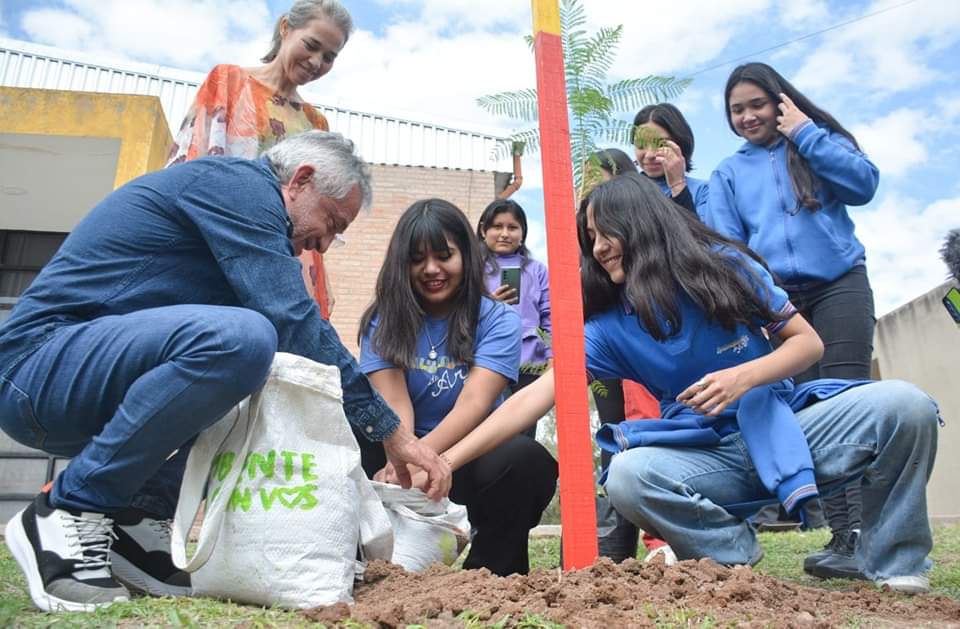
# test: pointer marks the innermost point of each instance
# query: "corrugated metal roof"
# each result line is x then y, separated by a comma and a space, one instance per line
380, 139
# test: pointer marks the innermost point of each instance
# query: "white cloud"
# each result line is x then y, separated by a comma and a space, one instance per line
889, 52
184, 33
419, 71
63, 29
675, 40
469, 14
797, 15
893, 141
902, 238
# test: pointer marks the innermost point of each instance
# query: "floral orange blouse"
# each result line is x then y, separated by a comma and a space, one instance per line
235, 114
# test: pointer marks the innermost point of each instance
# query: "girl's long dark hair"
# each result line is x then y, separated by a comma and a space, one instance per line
424, 225
805, 182
666, 251
614, 161
486, 220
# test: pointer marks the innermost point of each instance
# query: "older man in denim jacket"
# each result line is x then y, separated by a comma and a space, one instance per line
161, 311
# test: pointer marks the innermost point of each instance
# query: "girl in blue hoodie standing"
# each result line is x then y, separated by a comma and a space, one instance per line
785, 194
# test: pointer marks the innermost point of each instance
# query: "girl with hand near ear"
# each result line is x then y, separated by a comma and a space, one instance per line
785, 194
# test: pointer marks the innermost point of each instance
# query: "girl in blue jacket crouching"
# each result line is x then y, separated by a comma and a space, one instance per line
785, 194
675, 306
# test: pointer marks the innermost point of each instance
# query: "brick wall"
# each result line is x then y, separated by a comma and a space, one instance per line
353, 269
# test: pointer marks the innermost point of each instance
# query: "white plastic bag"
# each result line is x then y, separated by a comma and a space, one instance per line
286, 499
424, 531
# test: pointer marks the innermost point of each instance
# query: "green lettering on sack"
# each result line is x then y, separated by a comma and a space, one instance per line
265, 463
288, 463
267, 497
307, 465
222, 464
307, 499
240, 498
289, 497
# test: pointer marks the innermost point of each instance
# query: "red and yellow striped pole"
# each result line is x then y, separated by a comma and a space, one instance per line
574, 442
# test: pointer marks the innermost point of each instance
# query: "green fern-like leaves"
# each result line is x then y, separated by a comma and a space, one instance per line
519, 105
593, 103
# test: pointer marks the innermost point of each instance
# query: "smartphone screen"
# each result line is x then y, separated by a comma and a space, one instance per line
952, 302
510, 276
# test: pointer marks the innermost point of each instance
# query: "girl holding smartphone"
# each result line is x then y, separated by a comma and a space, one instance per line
502, 231
441, 352
785, 194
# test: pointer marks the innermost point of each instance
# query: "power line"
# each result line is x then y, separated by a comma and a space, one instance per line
801, 38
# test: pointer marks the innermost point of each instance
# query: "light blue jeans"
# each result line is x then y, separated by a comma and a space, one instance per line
884, 433
120, 393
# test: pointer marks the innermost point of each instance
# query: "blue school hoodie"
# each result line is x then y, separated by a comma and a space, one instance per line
699, 192
751, 199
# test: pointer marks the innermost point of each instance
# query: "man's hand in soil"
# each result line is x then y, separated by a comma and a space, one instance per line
402, 447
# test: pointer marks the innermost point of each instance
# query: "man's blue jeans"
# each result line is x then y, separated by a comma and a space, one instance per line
121, 393
884, 432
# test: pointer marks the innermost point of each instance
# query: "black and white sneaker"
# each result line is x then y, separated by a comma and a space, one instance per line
65, 556
141, 555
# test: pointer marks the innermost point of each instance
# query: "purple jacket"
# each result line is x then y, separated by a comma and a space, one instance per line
534, 306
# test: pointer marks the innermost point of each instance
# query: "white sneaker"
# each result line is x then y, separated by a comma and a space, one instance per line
141, 555
65, 556
908, 584
669, 557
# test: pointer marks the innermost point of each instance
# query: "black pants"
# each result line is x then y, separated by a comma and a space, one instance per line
842, 314
505, 492
523, 380
616, 536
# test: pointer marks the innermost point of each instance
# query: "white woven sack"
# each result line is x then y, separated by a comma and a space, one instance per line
286, 499
424, 531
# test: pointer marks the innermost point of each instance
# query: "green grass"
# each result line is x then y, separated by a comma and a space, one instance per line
784, 553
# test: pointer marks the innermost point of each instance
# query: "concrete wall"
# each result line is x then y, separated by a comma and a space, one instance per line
138, 122
920, 343
353, 269
61, 152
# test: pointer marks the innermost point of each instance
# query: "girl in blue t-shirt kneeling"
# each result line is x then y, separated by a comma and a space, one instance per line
441, 352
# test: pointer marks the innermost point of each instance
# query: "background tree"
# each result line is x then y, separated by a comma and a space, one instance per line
592, 102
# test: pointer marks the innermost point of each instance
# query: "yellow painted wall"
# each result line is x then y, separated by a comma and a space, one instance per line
138, 122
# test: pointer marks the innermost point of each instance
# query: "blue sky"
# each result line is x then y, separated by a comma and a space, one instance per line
893, 79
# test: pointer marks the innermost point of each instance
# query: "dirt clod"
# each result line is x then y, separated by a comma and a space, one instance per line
631, 594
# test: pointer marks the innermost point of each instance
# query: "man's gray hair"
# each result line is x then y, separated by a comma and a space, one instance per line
337, 168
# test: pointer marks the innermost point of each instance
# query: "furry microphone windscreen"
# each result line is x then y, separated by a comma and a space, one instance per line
950, 252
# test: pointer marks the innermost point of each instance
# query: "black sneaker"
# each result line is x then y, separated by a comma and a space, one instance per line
65, 556
811, 560
841, 564
141, 555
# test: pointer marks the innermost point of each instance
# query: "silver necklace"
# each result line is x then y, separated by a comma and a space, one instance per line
432, 354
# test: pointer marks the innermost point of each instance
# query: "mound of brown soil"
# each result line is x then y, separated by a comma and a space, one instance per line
631, 594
